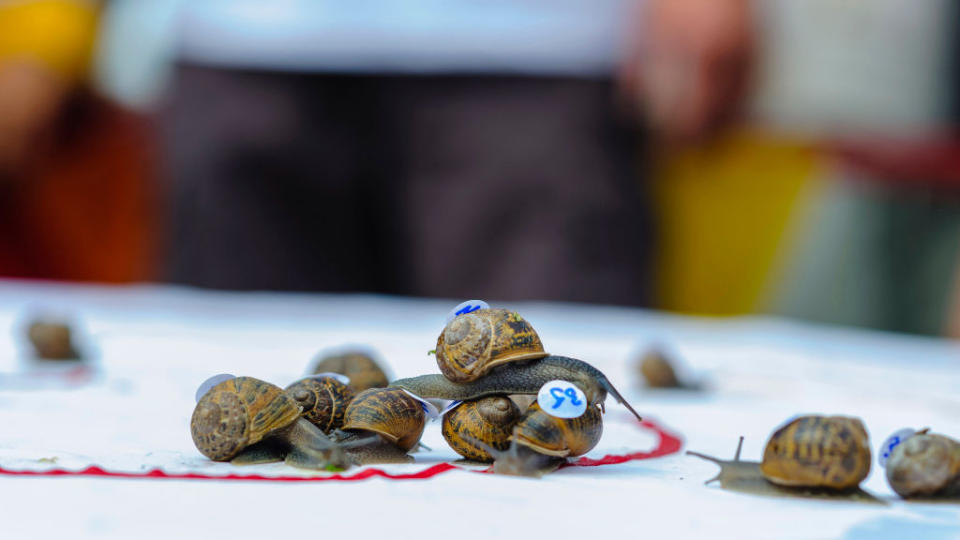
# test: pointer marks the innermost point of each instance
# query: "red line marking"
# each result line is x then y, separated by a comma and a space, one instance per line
669, 444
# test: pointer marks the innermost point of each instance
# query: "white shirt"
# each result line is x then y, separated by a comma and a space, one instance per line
573, 37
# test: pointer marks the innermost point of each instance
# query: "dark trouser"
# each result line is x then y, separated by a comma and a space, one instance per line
501, 187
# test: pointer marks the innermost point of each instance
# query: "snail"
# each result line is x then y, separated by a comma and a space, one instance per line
816, 451
811, 456
246, 420
362, 370
52, 340
925, 465
396, 418
515, 378
323, 399
474, 343
540, 443
657, 370
488, 419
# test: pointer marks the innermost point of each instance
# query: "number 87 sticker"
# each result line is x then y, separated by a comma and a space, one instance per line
562, 399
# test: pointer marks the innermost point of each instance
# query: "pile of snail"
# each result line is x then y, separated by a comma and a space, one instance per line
829, 456
489, 359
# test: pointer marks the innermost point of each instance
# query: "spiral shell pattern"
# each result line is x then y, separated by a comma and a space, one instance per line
390, 412
489, 420
324, 401
474, 343
561, 437
237, 413
818, 451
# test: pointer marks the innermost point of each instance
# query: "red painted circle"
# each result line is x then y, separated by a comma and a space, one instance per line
669, 444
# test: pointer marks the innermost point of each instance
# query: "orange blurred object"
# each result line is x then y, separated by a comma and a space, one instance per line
84, 207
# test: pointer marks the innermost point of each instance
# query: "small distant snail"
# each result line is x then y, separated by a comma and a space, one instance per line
52, 340
517, 378
925, 465
811, 456
395, 417
657, 371
246, 420
474, 343
323, 399
540, 443
362, 370
489, 419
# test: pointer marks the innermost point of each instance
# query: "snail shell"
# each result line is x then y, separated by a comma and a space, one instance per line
657, 370
324, 401
389, 412
489, 420
818, 451
52, 340
238, 413
363, 371
925, 465
560, 437
474, 343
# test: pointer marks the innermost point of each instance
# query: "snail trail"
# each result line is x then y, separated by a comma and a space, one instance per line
670, 443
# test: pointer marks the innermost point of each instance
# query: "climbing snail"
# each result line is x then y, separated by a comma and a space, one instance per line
248, 421
517, 378
394, 417
489, 420
323, 400
811, 456
925, 465
362, 370
474, 343
817, 451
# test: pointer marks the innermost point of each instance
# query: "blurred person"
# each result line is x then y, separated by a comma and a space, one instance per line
457, 149
75, 197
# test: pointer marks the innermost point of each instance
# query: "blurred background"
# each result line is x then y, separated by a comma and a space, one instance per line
718, 157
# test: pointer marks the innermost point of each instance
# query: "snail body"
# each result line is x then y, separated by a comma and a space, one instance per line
818, 451
517, 378
242, 412
324, 401
925, 465
362, 370
396, 420
474, 343
489, 420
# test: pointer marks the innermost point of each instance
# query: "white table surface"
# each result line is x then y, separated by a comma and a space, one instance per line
153, 345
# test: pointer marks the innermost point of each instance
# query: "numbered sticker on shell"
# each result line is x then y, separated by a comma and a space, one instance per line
453, 405
428, 408
466, 307
892, 442
206, 385
562, 399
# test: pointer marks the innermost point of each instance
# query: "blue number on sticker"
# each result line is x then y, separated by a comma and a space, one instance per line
893, 444
559, 398
558, 394
467, 309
